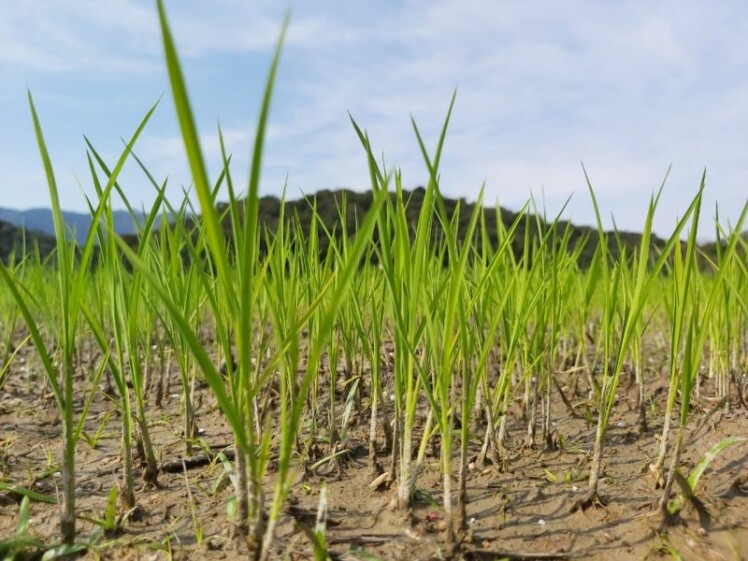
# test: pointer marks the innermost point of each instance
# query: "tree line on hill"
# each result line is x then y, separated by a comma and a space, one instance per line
327, 204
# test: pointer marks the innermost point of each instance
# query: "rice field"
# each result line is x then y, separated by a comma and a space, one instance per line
420, 390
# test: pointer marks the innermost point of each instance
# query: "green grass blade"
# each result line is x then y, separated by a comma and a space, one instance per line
698, 470
213, 230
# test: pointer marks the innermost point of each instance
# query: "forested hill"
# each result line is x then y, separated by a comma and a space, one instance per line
13, 240
329, 202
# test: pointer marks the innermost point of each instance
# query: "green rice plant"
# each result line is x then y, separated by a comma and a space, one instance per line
588, 287
347, 339
479, 318
93, 439
182, 282
197, 525
314, 268
628, 267
110, 523
616, 349
24, 492
554, 263
13, 351
291, 263
21, 542
726, 333
682, 326
563, 271
487, 305
9, 323
185, 288
72, 271
296, 388
119, 311
234, 300
405, 263
693, 312
100, 320
446, 328
39, 278
500, 286
11, 315
688, 484
521, 344
367, 307
668, 548
333, 356
317, 536
350, 340
131, 332
739, 287
533, 331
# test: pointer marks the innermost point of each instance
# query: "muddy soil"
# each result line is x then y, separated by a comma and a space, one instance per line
520, 513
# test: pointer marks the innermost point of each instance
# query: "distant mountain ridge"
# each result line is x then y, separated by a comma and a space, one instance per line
40, 220
35, 226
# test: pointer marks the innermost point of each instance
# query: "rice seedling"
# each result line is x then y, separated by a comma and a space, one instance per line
119, 317
614, 353
10, 315
690, 328
234, 307
72, 271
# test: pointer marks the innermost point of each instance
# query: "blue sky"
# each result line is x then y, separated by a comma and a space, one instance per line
625, 87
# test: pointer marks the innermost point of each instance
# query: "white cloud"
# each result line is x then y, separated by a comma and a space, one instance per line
68, 35
122, 35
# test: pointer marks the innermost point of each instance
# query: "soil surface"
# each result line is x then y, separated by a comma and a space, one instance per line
520, 513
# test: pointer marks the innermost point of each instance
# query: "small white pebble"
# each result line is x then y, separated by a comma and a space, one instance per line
472, 521
392, 397
574, 488
620, 424
201, 431
691, 543
471, 466
541, 522
57, 475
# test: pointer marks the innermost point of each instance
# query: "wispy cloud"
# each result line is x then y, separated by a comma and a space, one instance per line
76, 35
123, 36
